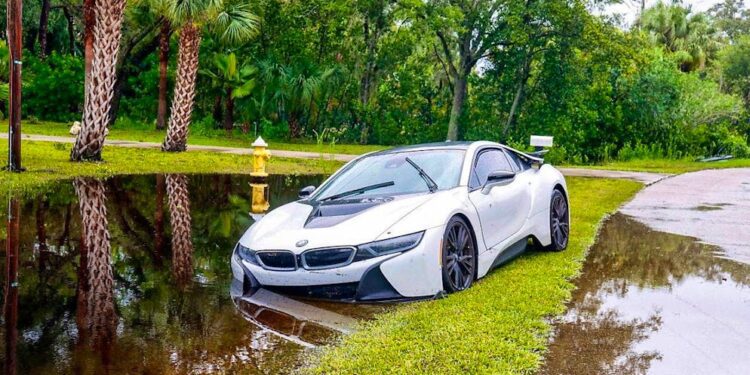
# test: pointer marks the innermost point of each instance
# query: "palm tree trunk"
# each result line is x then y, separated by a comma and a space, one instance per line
99, 91
217, 113
99, 317
161, 117
179, 215
71, 31
89, 21
43, 25
184, 90
229, 112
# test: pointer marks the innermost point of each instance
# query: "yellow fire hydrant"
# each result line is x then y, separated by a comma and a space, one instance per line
260, 156
259, 204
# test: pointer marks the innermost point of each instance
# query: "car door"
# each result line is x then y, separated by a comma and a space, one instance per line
503, 208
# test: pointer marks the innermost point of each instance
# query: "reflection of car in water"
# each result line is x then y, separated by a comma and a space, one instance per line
295, 321
409, 222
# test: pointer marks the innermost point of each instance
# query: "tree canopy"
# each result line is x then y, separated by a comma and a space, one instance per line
675, 84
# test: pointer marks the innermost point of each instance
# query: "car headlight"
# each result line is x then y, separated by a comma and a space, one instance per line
389, 246
247, 254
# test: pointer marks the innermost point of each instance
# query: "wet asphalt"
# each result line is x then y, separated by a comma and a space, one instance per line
666, 287
712, 205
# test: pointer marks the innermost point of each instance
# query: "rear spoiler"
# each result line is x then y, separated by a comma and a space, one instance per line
540, 143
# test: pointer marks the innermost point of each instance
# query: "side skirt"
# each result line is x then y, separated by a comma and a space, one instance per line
510, 253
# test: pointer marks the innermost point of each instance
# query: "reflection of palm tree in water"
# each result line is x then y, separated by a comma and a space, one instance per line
179, 215
96, 317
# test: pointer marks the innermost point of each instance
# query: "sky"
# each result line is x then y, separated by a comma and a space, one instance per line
629, 8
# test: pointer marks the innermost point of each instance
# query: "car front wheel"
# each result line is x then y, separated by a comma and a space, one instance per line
459, 256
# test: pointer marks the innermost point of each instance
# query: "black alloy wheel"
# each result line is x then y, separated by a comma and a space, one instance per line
459, 256
559, 221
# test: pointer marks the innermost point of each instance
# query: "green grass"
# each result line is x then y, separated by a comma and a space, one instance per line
666, 165
220, 138
499, 325
46, 162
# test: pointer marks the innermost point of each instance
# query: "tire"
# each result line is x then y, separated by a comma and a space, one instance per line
559, 221
459, 256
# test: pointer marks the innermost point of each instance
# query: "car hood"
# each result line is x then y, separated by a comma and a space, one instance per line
340, 224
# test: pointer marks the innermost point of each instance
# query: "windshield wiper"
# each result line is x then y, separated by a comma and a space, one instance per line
357, 191
427, 179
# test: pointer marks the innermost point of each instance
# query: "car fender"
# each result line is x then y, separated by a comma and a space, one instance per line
436, 212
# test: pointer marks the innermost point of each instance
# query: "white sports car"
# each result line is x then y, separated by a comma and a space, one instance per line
410, 222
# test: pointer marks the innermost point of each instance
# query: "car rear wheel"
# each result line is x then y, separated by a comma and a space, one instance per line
459, 256
559, 218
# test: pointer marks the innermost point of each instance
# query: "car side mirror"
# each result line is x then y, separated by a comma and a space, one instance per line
306, 191
498, 178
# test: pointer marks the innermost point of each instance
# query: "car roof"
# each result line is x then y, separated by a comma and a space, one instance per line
462, 145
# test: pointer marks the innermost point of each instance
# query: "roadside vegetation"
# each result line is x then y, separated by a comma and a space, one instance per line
674, 84
47, 162
499, 325
146, 133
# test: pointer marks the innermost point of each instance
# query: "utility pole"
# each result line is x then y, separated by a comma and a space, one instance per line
14, 94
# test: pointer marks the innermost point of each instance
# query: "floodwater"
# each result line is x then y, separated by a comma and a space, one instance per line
131, 275
653, 302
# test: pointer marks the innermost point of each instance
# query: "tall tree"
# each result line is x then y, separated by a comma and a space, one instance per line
376, 21
691, 37
164, 35
467, 31
232, 23
161, 8
43, 26
99, 88
236, 80
732, 17
735, 65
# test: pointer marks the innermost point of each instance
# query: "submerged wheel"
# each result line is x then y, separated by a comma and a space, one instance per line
459, 256
559, 219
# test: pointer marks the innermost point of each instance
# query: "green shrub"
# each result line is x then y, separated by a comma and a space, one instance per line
53, 87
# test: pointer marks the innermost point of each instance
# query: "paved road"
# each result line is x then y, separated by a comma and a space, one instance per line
712, 205
646, 178
219, 149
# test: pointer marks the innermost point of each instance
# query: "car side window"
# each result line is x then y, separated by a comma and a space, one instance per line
519, 164
488, 161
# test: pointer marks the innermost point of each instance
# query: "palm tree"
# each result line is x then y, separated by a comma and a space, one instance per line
179, 216
235, 81
691, 38
99, 88
295, 88
161, 7
234, 23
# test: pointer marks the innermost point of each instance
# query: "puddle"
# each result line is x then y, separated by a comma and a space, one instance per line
653, 302
141, 282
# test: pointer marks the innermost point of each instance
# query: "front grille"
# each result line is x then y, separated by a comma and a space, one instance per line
277, 260
327, 258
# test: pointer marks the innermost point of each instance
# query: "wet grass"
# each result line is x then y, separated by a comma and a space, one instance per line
47, 161
667, 165
500, 325
219, 138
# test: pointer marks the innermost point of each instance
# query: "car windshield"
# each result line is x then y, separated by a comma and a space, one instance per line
393, 174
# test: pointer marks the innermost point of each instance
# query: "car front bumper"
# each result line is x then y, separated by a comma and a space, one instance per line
412, 274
